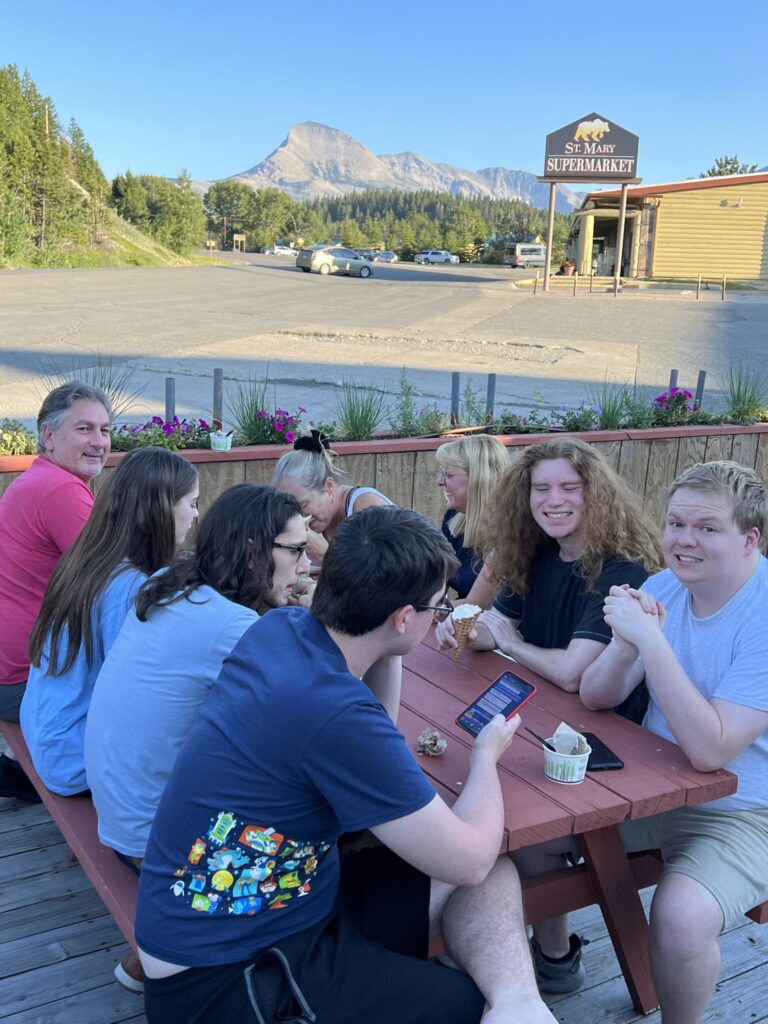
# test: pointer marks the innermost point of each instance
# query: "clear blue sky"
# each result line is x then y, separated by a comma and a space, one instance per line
215, 87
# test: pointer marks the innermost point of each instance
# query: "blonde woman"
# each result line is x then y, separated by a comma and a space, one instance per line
310, 473
470, 471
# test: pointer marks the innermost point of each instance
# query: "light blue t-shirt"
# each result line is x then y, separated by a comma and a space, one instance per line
725, 655
54, 708
146, 698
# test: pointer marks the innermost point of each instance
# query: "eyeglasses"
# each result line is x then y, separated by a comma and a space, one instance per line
297, 549
440, 612
446, 474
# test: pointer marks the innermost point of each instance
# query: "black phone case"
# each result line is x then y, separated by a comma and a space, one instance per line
602, 758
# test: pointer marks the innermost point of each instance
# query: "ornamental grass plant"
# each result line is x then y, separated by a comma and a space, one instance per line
254, 423
113, 376
359, 412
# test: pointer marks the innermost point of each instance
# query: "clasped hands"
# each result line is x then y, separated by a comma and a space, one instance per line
633, 615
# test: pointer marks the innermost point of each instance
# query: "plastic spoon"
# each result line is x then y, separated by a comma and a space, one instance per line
541, 739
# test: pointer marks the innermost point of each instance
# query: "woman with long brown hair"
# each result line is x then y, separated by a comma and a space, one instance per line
141, 516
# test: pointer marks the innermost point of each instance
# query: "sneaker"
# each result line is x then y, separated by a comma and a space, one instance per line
559, 976
130, 973
14, 783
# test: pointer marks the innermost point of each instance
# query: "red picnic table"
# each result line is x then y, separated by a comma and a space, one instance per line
657, 776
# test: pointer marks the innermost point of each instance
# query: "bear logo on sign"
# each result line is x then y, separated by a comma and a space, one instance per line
594, 130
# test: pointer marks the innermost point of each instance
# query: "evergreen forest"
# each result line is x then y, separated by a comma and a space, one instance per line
57, 208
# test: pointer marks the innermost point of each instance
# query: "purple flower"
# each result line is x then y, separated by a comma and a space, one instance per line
156, 419
203, 425
290, 437
278, 425
168, 429
301, 409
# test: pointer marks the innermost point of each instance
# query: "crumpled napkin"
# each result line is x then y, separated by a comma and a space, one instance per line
431, 743
566, 740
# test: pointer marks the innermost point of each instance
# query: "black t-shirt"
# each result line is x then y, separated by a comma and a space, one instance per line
560, 605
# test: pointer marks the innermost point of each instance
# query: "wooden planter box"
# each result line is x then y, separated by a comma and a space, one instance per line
406, 471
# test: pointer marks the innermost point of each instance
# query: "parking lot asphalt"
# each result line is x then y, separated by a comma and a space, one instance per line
311, 334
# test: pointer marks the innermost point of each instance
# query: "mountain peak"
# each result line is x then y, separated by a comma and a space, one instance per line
315, 160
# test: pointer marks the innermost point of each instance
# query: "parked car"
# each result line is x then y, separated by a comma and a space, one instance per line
334, 259
281, 250
428, 256
365, 254
382, 256
525, 254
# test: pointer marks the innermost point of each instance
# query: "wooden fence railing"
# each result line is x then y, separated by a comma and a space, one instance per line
406, 470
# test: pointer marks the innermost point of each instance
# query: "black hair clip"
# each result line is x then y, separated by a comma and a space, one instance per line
315, 441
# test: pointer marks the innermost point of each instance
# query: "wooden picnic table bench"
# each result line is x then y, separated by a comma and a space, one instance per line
76, 818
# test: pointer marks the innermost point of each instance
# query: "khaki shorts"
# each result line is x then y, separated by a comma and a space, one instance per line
725, 851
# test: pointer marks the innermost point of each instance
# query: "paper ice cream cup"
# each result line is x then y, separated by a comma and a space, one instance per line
220, 442
567, 769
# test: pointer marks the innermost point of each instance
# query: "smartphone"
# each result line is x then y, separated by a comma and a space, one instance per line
602, 758
505, 696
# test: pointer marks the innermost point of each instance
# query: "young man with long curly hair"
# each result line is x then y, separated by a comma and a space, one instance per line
563, 529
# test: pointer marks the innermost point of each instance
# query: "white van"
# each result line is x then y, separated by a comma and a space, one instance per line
525, 254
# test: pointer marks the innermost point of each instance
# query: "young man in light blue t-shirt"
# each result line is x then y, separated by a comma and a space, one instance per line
696, 632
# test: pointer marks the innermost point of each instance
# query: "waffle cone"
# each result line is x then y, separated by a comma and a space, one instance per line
461, 630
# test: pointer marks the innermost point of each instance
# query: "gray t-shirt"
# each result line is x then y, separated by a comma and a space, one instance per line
155, 677
725, 655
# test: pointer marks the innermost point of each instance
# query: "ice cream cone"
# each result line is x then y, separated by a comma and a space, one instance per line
464, 619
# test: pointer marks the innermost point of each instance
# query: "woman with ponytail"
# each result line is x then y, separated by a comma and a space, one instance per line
310, 473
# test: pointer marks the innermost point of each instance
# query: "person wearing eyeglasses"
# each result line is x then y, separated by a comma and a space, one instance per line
470, 471
247, 909
249, 558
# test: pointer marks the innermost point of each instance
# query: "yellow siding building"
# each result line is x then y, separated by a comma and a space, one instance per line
708, 226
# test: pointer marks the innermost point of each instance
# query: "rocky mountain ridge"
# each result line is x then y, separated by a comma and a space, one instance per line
315, 160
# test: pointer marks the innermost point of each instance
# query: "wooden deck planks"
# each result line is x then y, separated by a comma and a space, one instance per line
52, 917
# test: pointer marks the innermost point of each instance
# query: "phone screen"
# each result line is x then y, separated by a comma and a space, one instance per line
505, 697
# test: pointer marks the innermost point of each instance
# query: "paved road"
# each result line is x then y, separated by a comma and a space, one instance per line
313, 333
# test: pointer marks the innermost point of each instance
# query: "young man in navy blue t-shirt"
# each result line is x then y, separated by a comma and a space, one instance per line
246, 911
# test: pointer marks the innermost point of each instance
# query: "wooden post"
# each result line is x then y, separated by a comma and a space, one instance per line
455, 381
490, 396
620, 238
170, 399
698, 287
218, 398
591, 280
575, 282
550, 233
536, 283
700, 388
722, 293
673, 379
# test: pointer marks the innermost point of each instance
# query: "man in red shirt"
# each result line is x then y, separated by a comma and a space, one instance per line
41, 514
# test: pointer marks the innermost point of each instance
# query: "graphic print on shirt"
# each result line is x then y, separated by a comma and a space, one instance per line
239, 868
